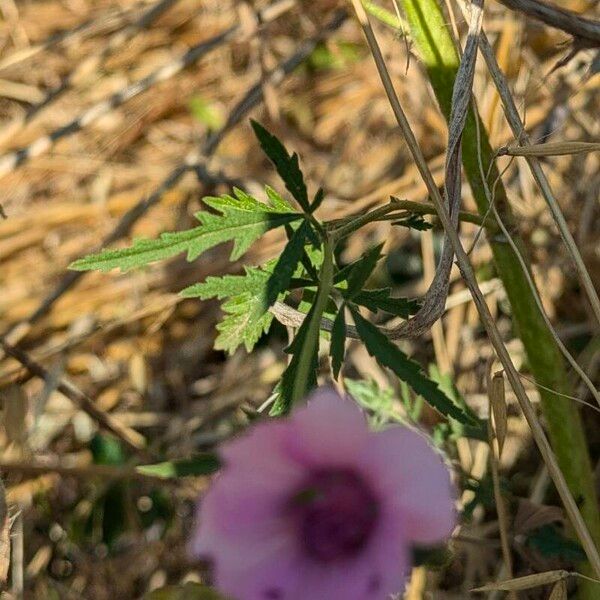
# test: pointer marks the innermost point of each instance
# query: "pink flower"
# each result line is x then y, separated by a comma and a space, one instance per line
318, 507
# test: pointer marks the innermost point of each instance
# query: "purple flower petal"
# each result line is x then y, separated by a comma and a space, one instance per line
380, 570
329, 431
415, 481
318, 507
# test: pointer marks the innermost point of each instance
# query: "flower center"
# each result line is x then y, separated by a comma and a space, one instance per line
336, 512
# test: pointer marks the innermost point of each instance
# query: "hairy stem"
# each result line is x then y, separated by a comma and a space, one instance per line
435, 45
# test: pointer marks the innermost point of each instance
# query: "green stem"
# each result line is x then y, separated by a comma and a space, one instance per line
311, 344
384, 15
435, 44
351, 224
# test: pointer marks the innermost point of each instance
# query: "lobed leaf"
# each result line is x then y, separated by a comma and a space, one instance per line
389, 355
201, 464
380, 299
414, 221
251, 295
361, 271
289, 379
287, 166
242, 219
338, 342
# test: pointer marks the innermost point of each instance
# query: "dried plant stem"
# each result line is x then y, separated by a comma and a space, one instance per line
518, 128
131, 438
88, 65
421, 15
500, 505
586, 31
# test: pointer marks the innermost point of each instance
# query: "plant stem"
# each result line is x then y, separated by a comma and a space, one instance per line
311, 344
351, 224
437, 50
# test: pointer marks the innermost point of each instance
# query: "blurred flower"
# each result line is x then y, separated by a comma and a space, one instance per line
317, 506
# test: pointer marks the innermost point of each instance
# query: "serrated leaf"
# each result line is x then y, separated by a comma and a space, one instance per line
287, 264
340, 279
245, 322
287, 166
278, 202
317, 200
253, 281
201, 464
381, 299
301, 374
389, 355
242, 219
338, 342
251, 295
458, 430
308, 297
246, 318
289, 379
416, 222
361, 271
312, 261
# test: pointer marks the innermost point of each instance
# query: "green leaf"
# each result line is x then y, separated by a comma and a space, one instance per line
458, 430
308, 297
246, 312
187, 591
416, 222
287, 264
287, 166
278, 202
242, 219
207, 113
317, 200
389, 355
338, 342
201, 464
301, 374
285, 388
361, 271
253, 281
379, 401
251, 295
551, 543
245, 322
380, 299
